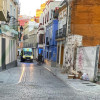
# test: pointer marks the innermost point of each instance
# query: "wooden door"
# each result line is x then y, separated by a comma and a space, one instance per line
58, 54
62, 54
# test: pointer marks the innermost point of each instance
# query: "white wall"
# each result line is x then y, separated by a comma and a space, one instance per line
51, 6
69, 52
85, 61
10, 50
0, 50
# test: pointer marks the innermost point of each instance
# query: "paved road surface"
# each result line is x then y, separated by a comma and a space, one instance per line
32, 82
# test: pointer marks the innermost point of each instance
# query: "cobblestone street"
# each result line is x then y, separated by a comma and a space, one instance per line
32, 82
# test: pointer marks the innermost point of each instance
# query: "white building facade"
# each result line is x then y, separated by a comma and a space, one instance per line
8, 36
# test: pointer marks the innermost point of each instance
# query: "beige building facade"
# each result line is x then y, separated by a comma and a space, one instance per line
8, 34
61, 33
3, 10
30, 37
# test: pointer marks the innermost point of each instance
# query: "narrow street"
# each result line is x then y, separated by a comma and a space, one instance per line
32, 82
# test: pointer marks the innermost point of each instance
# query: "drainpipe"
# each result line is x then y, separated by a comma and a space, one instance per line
67, 17
96, 64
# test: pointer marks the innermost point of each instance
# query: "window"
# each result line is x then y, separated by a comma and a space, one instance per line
10, 9
49, 55
14, 13
41, 38
48, 17
51, 15
64, 12
27, 53
46, 39
43, 20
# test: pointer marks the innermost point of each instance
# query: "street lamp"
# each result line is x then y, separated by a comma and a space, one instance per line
21, 29
8, 17
20, 33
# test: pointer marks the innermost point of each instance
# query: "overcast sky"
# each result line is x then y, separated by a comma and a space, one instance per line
28, 7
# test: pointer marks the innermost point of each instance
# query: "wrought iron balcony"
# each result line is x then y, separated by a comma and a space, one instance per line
13, 23
61, 33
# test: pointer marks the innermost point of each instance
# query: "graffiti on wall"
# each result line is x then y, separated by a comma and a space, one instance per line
69, 56
80, 58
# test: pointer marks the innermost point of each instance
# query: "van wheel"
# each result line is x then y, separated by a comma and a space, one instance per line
31, 61
21, 60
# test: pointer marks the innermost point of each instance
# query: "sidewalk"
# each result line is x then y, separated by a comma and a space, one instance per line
10, 76
80, 85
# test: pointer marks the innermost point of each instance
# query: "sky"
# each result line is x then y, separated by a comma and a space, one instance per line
28, 7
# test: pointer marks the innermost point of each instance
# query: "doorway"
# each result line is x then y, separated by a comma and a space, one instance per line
3, 53
58, 54
62, 54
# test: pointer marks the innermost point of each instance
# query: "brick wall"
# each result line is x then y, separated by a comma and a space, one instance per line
85, 20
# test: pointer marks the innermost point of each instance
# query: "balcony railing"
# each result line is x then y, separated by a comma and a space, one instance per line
13, 23
61, 33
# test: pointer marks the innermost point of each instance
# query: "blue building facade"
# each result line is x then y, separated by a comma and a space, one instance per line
40, 51
50, 42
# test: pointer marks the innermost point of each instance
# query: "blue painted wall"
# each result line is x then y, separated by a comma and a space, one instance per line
40, 51
52, 48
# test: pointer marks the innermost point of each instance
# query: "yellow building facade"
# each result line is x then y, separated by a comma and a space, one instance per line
39, 12
3, 10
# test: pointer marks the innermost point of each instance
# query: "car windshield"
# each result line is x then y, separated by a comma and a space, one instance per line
27, 53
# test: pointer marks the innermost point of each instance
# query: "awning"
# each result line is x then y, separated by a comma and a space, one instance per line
13, 32
5, 28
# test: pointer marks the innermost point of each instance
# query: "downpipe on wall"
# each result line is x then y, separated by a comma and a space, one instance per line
96, 64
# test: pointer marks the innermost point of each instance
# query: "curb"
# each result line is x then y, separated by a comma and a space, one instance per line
68, 83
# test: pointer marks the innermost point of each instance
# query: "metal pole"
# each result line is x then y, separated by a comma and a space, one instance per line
67, 17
